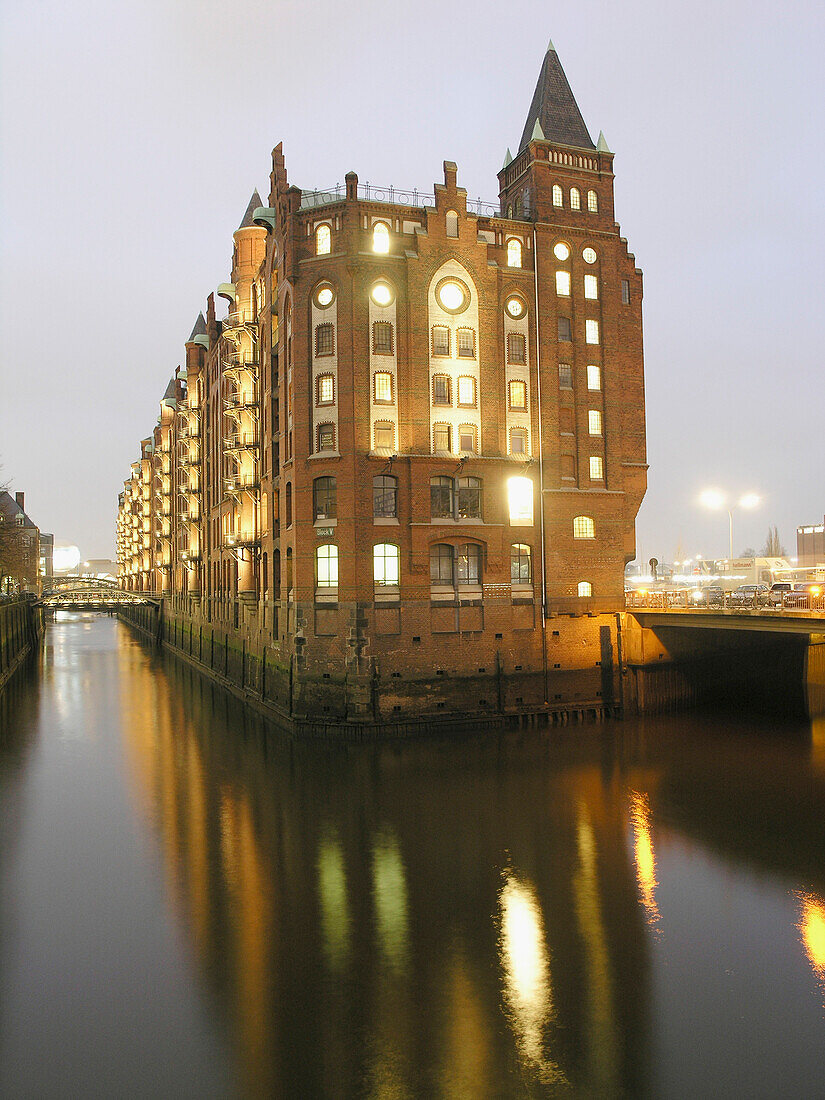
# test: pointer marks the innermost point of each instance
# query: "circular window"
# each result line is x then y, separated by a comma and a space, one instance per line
324, 295
589, 256
452, 295
382, 294
561, 251
515, 306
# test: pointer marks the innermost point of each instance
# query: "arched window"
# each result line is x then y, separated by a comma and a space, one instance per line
385, 496
513, 253
382, 388
384, 435
592, 202
380, 237
468, 564
452, 223
326, 437
326, 566
276, 574
575, 199
289, 569
441, 497
324, 498
289, 504
441, 564
521, 571
584, 588
469, 498
583, 528
557, 195
385, 560
323, 240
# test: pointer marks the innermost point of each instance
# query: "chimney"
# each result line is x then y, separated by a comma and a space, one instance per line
20, 497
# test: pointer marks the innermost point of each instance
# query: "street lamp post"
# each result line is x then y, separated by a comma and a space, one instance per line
716, 500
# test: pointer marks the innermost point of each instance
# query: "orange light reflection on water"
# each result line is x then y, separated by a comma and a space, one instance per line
644, 855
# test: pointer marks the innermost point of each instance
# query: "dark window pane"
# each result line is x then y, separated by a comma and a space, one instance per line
468, 565
441, 564
469, 498
385, 496
441, 497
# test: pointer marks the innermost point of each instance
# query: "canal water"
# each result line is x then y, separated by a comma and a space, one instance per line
193, 906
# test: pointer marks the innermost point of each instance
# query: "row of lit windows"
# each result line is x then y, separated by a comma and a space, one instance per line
565, 330
594, 376
443, 437
566, 421
592, 199
453, 296
563, 283
443, 391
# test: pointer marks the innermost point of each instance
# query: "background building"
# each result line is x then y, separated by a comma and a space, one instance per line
418, 435
19, 545
810, 544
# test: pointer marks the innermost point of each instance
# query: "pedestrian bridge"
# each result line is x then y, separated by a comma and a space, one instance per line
73, 593
764, 620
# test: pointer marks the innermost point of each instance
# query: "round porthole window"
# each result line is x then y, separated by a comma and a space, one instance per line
382, 294
561, 251
515, 306
452, 295
324, 295
589, 255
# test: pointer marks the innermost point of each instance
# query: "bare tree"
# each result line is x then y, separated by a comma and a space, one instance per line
773, 548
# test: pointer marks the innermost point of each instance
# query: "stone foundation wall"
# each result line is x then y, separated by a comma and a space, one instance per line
21, 628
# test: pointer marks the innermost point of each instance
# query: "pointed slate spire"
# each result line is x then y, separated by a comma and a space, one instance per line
554, 108
508, 158
198, 330
171, 393
254, 203
602, 145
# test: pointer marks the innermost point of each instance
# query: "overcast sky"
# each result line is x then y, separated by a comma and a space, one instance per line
133, 133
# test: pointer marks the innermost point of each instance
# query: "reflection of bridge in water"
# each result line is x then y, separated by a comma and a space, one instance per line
78, 593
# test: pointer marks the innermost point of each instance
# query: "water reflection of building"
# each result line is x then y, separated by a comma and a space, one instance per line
418, 919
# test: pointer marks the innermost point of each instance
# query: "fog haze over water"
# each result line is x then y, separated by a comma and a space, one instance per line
133, 135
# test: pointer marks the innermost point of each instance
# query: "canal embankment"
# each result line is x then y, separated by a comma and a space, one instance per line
21, 628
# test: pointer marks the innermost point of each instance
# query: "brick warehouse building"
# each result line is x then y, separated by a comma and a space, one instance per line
401, 476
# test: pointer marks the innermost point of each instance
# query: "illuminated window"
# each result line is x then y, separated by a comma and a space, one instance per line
452, 295
324, 498
326, 437
518, 441
592, 202
324, 339
565, 376
513, 253
380, 237
584, 588
326, 566
469, 498
596, 468
385, 496
575, 199
591, 286
452, 223
468, 564
382, 388
323, 240
625, 292
467, 392
324, 295
324, 389
558, 198
563, 283
384, 435
583, 528
515, 306
467, 439
382, 294
382, 338
567, 467
441, 340
594, 377
566, 420
520, 500
564, 330
441, 390
441, 497
466, 343
442, 437
589, 256
520, 564
385, 562
591, 332
518, 395
594, 422
561, 251
441, 564
516, 348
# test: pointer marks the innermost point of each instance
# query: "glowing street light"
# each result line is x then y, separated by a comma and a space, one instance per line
716, 500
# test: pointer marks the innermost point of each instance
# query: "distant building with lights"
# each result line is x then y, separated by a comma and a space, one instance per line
810, 544
19, 545
406, 465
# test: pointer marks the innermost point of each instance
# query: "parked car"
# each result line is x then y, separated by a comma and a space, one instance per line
749, 595
711, 596
803, 595
777, 590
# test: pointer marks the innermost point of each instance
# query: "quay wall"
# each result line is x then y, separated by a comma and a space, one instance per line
20, 632
365, 687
